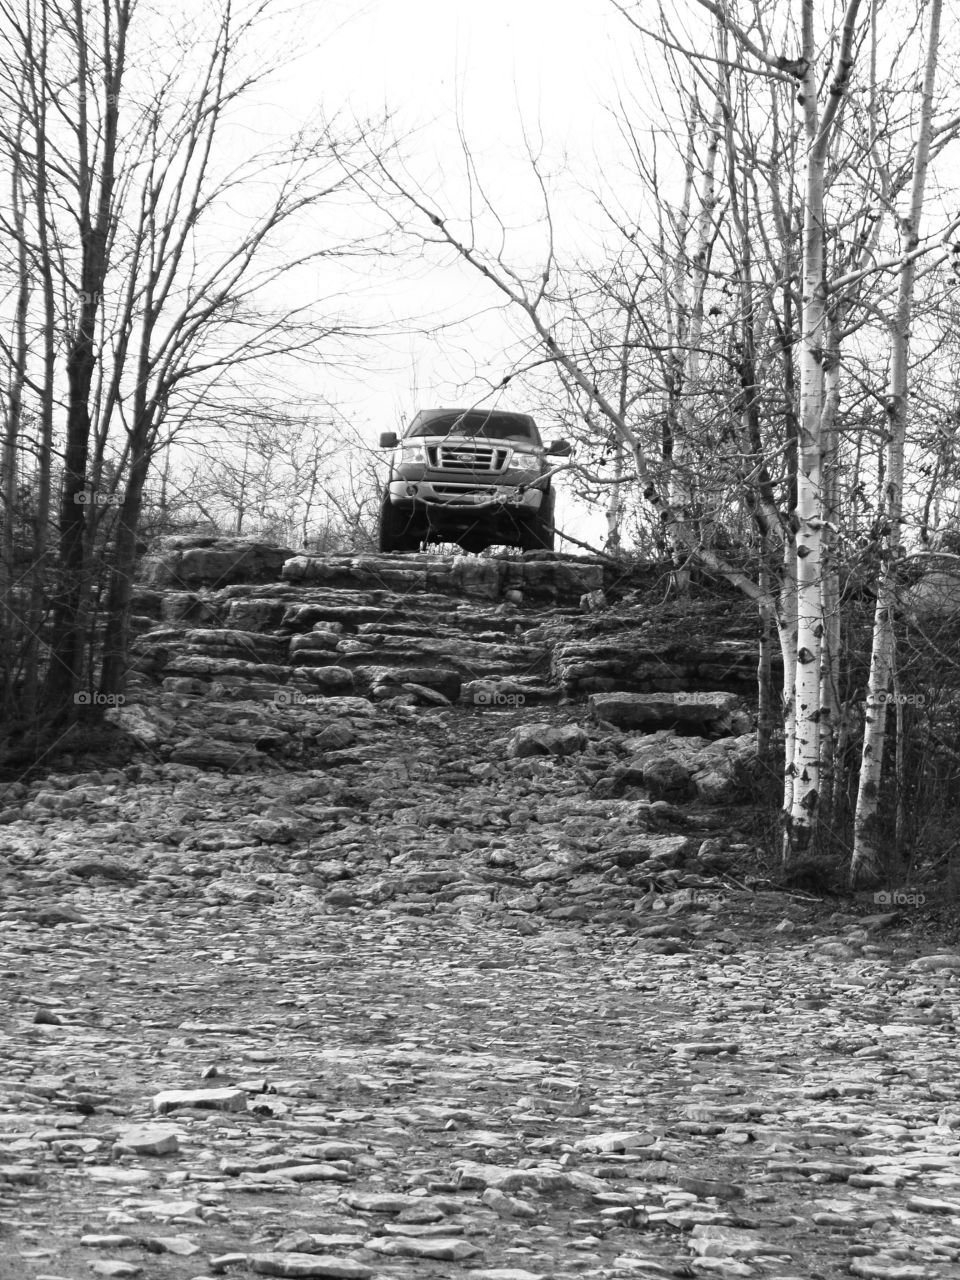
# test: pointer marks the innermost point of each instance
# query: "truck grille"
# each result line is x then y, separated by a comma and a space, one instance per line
456, 490
468, 459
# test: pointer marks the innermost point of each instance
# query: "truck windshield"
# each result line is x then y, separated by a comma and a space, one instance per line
489, 426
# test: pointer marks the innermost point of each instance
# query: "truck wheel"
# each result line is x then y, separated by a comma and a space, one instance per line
474, 543
536, 531
397, 532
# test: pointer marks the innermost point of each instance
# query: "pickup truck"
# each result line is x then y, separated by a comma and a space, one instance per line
476, 477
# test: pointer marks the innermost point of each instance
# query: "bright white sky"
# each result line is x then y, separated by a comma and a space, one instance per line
514, 75
502, 68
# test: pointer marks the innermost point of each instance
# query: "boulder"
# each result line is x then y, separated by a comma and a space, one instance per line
651, 711
336, 736
546, 740
186, 562
327, 680
148, 727
721, 771
387, 682
668, 779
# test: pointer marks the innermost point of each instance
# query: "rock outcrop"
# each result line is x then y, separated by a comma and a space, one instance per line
497, 628
292, 672
212, 562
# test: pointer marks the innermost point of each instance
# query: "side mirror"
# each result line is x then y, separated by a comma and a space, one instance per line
561, 448
388, 440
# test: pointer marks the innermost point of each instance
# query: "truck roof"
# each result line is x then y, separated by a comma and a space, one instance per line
493, 424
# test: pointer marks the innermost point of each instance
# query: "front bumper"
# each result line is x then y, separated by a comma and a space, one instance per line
450, 496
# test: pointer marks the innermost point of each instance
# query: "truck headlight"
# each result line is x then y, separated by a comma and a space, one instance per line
522, 462
410, 453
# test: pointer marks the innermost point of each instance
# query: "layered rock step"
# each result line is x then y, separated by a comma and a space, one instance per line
425, 625
214, 563
343, 642
534, 628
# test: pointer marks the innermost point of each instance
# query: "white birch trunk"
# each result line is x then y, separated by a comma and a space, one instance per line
800, 819
685, 304
803, 771
614, 512
787, 622
865, 864
830, 578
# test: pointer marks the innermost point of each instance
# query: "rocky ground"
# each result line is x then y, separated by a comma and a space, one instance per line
388, 979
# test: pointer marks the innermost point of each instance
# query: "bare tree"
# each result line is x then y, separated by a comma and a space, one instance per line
865, 863
755, 344
121, 162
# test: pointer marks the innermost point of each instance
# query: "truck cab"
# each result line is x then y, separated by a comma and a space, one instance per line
476, 477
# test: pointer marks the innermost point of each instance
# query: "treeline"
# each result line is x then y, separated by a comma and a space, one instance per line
759, 364
139, 303
762, 365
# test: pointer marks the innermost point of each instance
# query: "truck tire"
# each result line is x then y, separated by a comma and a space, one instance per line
396, 532
473, 543
536, 531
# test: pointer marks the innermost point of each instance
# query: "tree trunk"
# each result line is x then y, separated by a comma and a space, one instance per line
117, 617
800, 820
36, 615
768, 622
804, 676
830, 582
865, 865
682, 495
13, 625
94, 213
614, 511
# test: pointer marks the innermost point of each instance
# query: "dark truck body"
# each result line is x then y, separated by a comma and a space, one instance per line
476, 477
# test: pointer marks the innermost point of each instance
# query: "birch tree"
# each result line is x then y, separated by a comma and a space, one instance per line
802, 683
866, 860
816, 237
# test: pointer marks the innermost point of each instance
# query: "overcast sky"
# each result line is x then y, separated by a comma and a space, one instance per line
511, 73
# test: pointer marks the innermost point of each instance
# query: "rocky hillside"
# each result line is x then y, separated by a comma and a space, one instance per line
247, 653
420, 934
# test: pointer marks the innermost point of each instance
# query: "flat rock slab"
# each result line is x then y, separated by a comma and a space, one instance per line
149, 1140
442, 1250
204, 1099
506, 1273
308, 1264
651, 711
305, 1173
118, 1175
